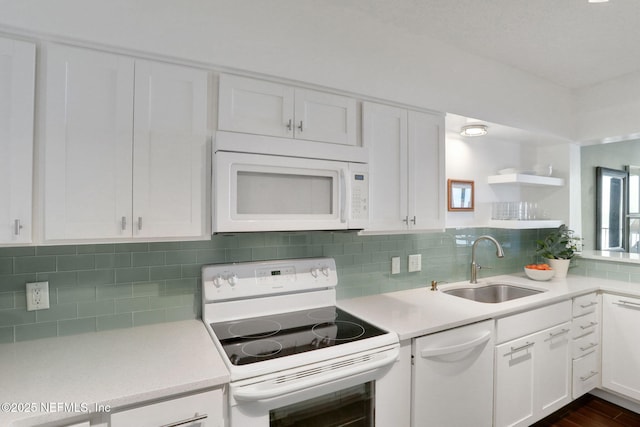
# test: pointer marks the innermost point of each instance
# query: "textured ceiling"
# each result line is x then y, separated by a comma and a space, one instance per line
569, 42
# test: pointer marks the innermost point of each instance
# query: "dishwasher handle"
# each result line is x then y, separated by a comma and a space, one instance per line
456, 348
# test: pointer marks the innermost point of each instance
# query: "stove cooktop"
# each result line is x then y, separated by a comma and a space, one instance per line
263, 338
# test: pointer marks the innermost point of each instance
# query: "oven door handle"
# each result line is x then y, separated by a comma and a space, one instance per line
270, 389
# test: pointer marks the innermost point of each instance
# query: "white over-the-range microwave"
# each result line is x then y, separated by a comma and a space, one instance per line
264, 192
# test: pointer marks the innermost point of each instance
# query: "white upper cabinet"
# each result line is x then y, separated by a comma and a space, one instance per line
88, 157
106, 177
407, 168
170, 150
17, 71
265, 108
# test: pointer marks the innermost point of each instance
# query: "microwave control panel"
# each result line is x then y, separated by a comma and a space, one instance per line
359, 195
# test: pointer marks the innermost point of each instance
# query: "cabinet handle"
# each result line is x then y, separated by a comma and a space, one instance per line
17, 227
591, 304
123, 223
591, 374
589, 347
139, 223
406, 220
414, 220
456, 348
300, 126
522, 347
187, 421
290, 125
557, 334
628, 303
590, 325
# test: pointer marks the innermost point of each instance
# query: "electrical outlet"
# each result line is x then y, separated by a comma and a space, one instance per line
37, 296
415, 262
395, 265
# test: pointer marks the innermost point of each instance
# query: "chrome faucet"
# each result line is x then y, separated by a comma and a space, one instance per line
474, 265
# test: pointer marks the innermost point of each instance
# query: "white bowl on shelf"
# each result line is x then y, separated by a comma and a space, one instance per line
540, 275
508, 171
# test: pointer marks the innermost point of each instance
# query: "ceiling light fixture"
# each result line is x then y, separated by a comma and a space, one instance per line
598, 1
473, 130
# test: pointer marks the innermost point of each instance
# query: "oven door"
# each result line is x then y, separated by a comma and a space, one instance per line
340, 392
254, 192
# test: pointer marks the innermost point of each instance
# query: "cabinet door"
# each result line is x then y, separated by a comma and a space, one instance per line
88, 144
553, 369
426, 188
196, 410
255, 106
325, 117
385, 135
170, 150
17, 69
515, 381
620, 345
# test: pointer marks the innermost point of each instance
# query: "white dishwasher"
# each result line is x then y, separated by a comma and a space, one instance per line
452, 382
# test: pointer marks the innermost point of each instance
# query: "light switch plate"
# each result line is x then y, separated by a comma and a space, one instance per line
395, 265
37, 296
415, 262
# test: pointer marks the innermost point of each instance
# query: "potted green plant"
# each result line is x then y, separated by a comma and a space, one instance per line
559, 247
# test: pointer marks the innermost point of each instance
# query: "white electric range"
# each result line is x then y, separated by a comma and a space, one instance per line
291, 352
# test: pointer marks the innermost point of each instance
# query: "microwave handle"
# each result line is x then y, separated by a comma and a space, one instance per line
343, 196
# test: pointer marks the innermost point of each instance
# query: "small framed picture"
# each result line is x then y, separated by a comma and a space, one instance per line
461, 195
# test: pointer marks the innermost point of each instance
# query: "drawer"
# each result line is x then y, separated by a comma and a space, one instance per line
584, 325
585, 304
586, 344
586, 374
518, 325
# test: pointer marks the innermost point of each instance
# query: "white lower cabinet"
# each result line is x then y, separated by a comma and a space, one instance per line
585, 333
453, 377
620, 345
533, 372
196, 410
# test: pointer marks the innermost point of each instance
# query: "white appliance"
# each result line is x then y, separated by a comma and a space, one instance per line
453, 377
261, 192
291, 353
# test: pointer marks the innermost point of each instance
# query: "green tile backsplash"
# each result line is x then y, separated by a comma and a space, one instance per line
99, 287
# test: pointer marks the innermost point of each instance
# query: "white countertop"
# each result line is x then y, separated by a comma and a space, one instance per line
115, 368
416, 312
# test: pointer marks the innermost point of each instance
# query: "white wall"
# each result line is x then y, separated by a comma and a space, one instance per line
609, 111
310, 41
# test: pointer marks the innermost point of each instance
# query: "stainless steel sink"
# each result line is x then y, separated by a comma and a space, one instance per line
493, 292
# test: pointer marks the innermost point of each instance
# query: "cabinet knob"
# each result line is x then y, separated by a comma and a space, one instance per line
300, 126
123, 223
139, 223
290, 125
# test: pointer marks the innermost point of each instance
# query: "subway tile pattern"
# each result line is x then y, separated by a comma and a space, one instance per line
108, 286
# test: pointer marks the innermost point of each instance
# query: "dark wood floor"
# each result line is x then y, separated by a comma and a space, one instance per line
590, 411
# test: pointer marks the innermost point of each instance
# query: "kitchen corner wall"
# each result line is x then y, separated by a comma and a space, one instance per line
109, 286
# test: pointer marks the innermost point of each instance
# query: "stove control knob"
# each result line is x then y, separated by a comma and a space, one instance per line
217, 281
315, 272
325, 271
233, 280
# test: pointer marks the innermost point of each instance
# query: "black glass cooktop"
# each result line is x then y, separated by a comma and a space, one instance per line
269, 337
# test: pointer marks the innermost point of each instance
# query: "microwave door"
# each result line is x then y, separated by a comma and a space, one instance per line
272, 193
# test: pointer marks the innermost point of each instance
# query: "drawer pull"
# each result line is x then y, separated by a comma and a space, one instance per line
591, 374
590, 325
589, 347
557, 334
591, 304
628, 303
188, 421
522, 347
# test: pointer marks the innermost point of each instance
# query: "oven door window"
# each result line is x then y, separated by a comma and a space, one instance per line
352, 407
